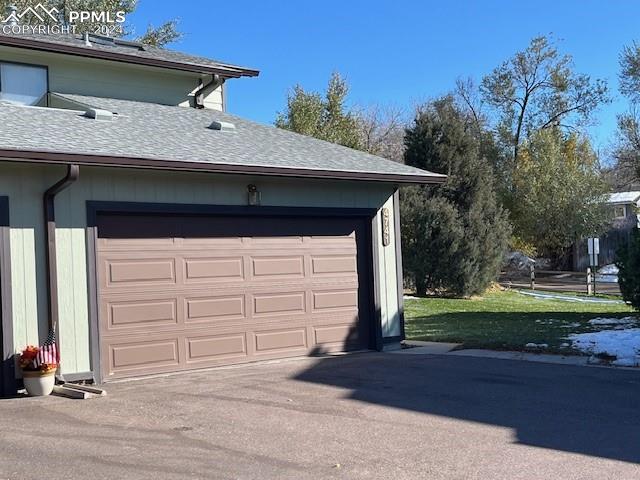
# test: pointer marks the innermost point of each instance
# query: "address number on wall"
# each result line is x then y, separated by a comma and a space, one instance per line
386, 234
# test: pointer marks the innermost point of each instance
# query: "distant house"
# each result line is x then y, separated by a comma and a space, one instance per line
625, 209
625, 216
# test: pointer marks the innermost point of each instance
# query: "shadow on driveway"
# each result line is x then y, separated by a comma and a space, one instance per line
591, 411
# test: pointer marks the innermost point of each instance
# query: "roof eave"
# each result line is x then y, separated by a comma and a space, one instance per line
34, 156
226, 71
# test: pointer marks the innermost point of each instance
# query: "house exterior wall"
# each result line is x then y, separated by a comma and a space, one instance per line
617, 236
103, 78
25, 184
630, 220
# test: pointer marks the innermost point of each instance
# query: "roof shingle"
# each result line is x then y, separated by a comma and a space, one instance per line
179, 135
124, 51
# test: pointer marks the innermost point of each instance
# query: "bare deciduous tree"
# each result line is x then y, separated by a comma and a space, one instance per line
382, 130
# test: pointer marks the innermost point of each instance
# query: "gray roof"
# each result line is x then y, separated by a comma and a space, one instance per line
124, 51
179, 137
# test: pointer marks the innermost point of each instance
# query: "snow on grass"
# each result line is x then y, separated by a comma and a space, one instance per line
571, 325
624, 345
537, 345
613, 321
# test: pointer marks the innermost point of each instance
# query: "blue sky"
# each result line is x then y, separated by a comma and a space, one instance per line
395, 53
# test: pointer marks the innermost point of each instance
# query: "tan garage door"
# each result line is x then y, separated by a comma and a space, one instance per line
180, 293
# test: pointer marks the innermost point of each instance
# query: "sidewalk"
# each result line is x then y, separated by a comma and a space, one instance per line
416, 347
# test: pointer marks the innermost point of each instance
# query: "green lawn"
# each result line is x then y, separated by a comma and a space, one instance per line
505, 320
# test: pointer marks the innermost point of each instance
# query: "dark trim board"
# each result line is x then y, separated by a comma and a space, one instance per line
4, 211
8, 384
37, 156
95, 208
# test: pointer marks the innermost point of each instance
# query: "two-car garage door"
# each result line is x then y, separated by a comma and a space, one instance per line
186, 292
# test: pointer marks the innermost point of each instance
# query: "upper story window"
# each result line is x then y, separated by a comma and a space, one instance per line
620, 211
22, 84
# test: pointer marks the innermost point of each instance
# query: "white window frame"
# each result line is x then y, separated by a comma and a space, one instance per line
615, 212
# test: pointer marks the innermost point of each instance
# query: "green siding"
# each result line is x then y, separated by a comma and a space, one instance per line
25, 184
101, 78
389, 282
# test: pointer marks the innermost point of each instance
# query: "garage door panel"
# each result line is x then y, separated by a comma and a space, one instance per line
144, 354
330, 265
168, 304
216, 347
126, 244
212, 242
290, 266
221, 289
144, 313
215, 308
336, 299
220, 269
279, 304
139, 271
336, 334
278, 242
270, 341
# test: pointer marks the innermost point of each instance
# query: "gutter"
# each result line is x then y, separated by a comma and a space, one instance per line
34, 156
73, 172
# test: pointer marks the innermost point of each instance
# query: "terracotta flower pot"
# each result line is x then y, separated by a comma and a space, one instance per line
39, 383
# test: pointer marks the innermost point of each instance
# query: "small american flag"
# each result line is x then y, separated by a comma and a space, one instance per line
48, 351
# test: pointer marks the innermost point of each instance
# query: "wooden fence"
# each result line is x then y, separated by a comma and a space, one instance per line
559, 281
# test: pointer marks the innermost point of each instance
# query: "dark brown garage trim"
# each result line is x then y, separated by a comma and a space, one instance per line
96, 208
7, 366
34, 156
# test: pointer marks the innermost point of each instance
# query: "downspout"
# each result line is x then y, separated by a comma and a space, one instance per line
198, 99
73, 171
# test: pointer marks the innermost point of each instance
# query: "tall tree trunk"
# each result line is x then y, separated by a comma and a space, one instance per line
421, 285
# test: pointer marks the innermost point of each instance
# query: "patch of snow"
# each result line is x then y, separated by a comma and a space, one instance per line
606, 278
567, 298
613, 321
610, 269
607, 274
564, 345
571, 325
518, 261
411, 297
536, 345
622, 344
624, 197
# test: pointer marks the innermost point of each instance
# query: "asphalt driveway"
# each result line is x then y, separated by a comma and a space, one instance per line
361, 416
